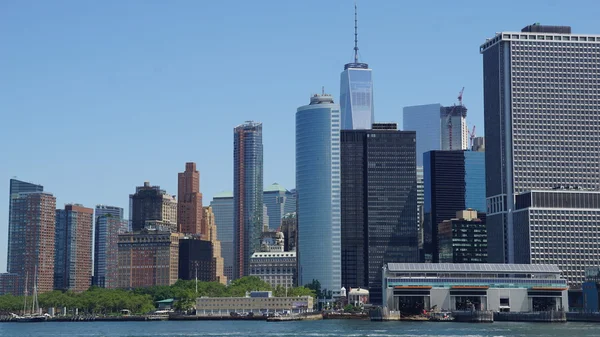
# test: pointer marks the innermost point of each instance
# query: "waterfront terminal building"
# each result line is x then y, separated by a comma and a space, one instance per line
411, 288
257, 302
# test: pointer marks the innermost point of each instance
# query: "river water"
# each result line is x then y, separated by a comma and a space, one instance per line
292, 329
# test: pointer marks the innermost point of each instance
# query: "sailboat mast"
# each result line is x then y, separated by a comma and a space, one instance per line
25, 293
34, 309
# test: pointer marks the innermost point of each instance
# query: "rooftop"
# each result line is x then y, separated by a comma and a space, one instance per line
275, 187
224, 194
474, 267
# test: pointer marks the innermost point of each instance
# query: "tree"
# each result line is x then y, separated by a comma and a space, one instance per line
239, 287
315, 286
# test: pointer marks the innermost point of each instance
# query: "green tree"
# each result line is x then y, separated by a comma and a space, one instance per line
239, 287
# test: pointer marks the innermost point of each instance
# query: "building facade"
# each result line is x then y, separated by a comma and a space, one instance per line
540, 84
453, 125
277, 199
247, 194
561, 227
73, 248
32, 226
109, 223
222, 207
224, 306
278, 268
463, 239
189, 202
379, 204
196, 260
213, 237
453, 181
152, 207
425, 120
318, 192
147, 258
289, 228
411, 287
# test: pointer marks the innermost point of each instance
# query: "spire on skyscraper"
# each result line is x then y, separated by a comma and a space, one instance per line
355, 34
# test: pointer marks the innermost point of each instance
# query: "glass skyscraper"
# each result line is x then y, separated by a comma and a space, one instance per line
541, 93
247, 194
277, 200
318, 192
222, 207
425, 120
16, 187
109, 223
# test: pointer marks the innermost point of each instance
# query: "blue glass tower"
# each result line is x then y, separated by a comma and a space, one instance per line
318, 193
356, 91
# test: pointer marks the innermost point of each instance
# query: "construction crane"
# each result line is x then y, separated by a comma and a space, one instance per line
471, 137
460, 94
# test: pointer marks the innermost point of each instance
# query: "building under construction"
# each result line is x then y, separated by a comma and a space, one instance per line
454, 131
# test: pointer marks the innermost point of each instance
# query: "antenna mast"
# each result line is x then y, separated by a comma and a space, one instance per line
355, 34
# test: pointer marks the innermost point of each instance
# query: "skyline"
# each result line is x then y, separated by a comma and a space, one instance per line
143, 75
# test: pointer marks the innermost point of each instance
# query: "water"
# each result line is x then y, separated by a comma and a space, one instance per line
293, 329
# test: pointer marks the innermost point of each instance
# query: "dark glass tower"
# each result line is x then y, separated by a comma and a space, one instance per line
379, 204
247, 194
453, 181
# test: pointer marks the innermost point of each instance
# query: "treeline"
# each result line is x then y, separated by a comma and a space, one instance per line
142, 300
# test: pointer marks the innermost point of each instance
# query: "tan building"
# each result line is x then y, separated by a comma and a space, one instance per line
147, 258
211, 227
223, 306
189, 207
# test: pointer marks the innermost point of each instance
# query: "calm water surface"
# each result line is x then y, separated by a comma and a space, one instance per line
290, 329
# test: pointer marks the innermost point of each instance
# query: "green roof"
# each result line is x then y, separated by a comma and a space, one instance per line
275, 188
224, 194
169, 300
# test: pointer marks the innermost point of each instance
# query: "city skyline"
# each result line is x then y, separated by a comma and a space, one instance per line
55, 177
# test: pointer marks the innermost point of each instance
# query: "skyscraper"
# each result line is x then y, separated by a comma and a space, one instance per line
277, 200
453, 124
109, 223
356, 91
425, 120
213, 237
247, 194
73, 248
453, 181
153, 208
222, 207
31, 246
541, 116
379, 204
189, 202
318, 192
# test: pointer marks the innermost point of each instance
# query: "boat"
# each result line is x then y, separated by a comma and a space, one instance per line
34, 315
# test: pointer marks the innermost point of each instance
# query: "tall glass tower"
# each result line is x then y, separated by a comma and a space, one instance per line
356, 91
247, 194
318, 193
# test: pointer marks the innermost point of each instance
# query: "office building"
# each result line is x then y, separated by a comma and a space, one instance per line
559, 226
453, 181
289, 228
379, 204
278, 200
247, 194
356, 92
473, 286
453, 124
425, 120
462, 239
189, 202
213, 236
196, 260
73, 248
109, 223
420, 210
318, 192
147, 258
31, 233
222, 207
255, 302
278, 268
541, 116
152, 208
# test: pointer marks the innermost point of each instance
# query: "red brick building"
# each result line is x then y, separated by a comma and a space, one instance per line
189, 202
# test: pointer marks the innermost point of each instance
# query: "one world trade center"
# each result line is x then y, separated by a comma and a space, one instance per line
356, 92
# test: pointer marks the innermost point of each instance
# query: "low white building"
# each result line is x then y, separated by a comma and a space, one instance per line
224, 306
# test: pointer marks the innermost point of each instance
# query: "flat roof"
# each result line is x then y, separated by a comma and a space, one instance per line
474, 267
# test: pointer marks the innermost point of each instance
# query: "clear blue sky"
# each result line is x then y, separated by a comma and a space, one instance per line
98, 96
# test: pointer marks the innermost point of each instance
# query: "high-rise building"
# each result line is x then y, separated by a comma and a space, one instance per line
420, 211
318, 193
147, 258
356, 91
462, 239
541, 132
109, 223
453, 181
247, 194
189, 202
222, 207
73, 248
289, 228
31, 234
453, 125
379, 204
425, 120
278, 200
212, 236
478, 144
150, 207
196, 260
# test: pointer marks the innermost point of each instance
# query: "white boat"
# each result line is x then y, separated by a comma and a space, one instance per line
33, 315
